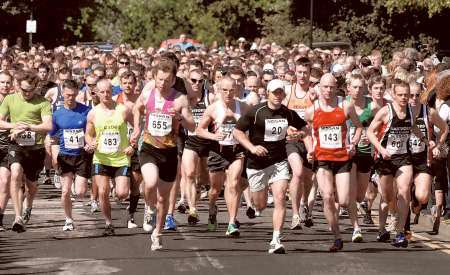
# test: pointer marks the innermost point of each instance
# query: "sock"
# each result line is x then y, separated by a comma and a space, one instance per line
276, 235
134, 199
47, 172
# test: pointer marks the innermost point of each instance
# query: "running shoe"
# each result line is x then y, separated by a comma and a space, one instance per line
109, 230
156, 242
193, 217
94, 207
408, 234
357, 236
57, 181
367, 218
309, 221
400, 240
149, 220
68, 226
212, 222
26, 215
257, 213
296, 225
435, 221
416, 218
170, 223
181, 207
303, 213
337, 245
2, 228
269, 200
18, 225
251, 213
343, 212
131, 224
383, 236
275, 247
232, 230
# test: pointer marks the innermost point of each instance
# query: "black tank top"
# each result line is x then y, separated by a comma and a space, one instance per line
397, 133
417, 146
197, 112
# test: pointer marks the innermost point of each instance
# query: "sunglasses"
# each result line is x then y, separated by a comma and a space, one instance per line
91, 85
27, 90
124, 62
415, 95
195, 81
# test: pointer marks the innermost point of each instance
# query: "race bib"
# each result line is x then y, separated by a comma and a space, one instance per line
330, 137
416, 145
159, 125
26, 138
73, 138
275, 129
129, 130
364, 140
227, 129
396, 144
109, 142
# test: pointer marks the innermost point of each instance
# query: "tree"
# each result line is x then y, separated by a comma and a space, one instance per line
432, 7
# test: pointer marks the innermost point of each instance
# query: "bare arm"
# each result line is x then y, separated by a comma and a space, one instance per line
43, 128
186, 119
351, 113
377, 121
202, 128
89, 136
440, 123
5, 125
137, 111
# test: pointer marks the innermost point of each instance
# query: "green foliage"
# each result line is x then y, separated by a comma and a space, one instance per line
431, 6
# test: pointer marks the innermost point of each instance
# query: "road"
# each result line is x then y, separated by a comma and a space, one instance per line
45, 249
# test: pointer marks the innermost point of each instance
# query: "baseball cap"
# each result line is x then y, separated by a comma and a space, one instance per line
275, 84
268, 67
241, 39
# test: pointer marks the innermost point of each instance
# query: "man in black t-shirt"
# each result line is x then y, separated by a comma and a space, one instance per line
267, 164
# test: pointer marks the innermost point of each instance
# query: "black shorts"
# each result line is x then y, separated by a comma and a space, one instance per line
439, 170
135, 165
78, 165
223, 156
197, 145
419, 162
165, 159
4, 157
110, 171
31, 160
364, 163
337, 167
299, 148
390, 167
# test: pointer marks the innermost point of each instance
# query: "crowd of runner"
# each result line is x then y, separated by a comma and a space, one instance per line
260, 123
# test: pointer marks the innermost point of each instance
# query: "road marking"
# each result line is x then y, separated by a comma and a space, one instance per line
69, 266
435, 244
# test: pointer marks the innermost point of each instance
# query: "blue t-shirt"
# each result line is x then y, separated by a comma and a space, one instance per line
69, 125
116, 90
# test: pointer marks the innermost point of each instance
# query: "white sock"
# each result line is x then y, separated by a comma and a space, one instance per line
276, 235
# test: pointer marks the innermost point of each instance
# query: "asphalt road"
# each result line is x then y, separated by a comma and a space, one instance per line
45, 249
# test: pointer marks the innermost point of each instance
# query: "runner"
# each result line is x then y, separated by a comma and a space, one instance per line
298, 100
128, 98
421, 156
362, 160
31, 119
267, 164
328, 118
394, 163
226, 157
106, 137
69, 125
196, 149
5, 89
165, 109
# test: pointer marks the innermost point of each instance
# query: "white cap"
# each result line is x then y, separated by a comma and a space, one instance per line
268, 66
241, 39
274, 85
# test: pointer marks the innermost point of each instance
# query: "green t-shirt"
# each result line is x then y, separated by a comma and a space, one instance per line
20, 110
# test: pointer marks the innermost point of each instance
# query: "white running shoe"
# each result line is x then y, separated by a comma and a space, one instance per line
156, 242
276, 247
57, 181
68, 226
131, 224
357, 236
94, 207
